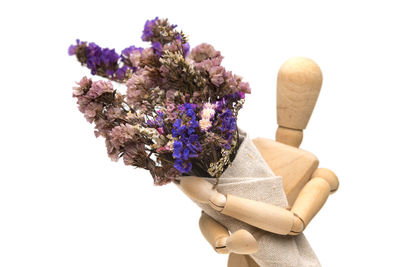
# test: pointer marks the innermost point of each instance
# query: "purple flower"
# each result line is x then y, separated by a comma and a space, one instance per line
148, 29
157, 48
185, 46
104, 61
182, 166
73, 48
186, 49
235, 96
178, 146
228, 126
121, 72
157, 122
186, 145
127, 51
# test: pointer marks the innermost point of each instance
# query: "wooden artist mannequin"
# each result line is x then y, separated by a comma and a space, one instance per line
306, 186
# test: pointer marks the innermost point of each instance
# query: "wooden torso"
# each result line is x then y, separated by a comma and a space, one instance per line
293, 164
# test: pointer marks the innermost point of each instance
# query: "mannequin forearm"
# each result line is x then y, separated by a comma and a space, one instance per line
314, 194
267, 216
278, 220
259, 214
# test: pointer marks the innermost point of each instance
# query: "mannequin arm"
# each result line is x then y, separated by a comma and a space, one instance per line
259, 214
266, 216
314, 195
240, 242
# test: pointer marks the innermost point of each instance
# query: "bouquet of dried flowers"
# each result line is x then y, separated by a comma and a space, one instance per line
178, 116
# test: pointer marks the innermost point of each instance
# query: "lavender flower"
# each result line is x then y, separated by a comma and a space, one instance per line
186, 145
160, 33
157, 48
228, 126
104, 61
149, 28
73, 49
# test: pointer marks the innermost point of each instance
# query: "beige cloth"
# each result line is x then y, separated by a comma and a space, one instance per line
250, 177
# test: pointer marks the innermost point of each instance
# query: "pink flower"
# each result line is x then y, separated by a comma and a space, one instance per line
203, 51
91, 111
170, 94
163, 149
160, 130
147, 53
217, 75
135, 58
244, 87
136, 88
100, 87
84, 86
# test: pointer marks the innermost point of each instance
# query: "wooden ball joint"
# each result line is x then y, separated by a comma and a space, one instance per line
306, 186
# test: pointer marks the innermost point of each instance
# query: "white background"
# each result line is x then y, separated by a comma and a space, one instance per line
64, 203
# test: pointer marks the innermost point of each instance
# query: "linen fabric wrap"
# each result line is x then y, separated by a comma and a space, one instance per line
250, 177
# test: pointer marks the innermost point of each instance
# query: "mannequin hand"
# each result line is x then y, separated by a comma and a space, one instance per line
202, 191
240, 242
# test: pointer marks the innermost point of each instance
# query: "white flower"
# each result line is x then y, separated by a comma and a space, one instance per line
205, 124
207, 114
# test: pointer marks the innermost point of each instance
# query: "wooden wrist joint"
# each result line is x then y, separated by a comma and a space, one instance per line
298, 225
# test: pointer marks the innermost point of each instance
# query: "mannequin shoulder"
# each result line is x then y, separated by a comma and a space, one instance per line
293, 164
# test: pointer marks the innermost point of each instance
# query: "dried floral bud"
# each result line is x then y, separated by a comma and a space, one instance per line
244, 87
83, 88
99, 88
104, 62
137, 88
202, 52
135, 58
135, 154
217, 75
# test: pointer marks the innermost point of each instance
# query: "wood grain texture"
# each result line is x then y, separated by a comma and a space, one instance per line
298, 87
329, 176
294, 165
197, 188
289, 136
311, 199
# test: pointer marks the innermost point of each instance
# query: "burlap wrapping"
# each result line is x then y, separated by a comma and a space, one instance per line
250, 177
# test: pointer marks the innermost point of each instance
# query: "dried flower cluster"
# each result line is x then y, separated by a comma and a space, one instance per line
180, 110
